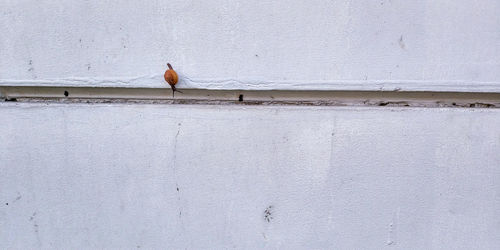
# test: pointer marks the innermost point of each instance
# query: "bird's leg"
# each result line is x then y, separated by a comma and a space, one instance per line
174, 89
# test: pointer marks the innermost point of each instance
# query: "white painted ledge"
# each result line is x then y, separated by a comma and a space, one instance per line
156, 81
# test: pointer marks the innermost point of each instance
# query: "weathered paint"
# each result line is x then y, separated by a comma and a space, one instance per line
220, 44
188, 176
157, 176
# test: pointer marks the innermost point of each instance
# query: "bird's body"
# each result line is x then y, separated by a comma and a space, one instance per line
171, 78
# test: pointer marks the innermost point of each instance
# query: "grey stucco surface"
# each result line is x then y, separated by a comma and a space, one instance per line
170, 176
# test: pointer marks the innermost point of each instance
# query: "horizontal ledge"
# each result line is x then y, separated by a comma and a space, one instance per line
251, 97
156, 81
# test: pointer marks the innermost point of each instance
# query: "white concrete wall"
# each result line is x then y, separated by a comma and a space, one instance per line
279, 44
156, 176
170, 176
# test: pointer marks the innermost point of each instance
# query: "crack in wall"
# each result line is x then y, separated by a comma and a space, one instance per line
174, 173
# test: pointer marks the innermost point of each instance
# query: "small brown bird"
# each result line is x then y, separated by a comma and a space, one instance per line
171, 78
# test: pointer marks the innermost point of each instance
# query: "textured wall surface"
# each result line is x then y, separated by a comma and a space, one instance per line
153, 176
252, 40
126, 176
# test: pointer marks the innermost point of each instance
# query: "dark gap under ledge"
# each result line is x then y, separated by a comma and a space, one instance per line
250, 97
